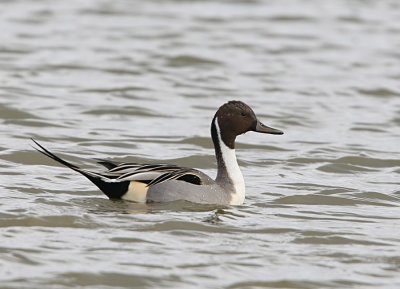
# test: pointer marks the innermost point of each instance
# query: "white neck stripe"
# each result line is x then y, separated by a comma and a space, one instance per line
234, 174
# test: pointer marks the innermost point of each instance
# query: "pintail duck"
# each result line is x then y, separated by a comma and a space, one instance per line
165, 183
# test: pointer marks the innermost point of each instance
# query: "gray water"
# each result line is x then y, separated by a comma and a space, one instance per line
141, 81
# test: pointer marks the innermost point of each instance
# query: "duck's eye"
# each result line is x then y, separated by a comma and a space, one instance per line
243, 113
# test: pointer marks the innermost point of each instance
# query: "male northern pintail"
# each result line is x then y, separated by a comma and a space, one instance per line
164, 183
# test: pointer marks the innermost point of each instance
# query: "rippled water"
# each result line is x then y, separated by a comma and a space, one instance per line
140, 81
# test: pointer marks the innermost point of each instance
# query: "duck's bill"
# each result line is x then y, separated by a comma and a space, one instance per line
260, 127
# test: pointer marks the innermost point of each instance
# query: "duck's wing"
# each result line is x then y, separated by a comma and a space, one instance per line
107, 163
156, 173
115, 181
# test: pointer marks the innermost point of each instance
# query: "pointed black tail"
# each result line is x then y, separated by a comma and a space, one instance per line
49, 154
113, 190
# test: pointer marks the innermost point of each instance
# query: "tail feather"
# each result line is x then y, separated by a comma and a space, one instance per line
49, 154
112, 189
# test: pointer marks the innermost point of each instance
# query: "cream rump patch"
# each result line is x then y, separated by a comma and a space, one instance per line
137, 192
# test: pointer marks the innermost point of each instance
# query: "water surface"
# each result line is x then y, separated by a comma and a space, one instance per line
141, 81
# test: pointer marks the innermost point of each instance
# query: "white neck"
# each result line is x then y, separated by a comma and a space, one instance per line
232, 169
